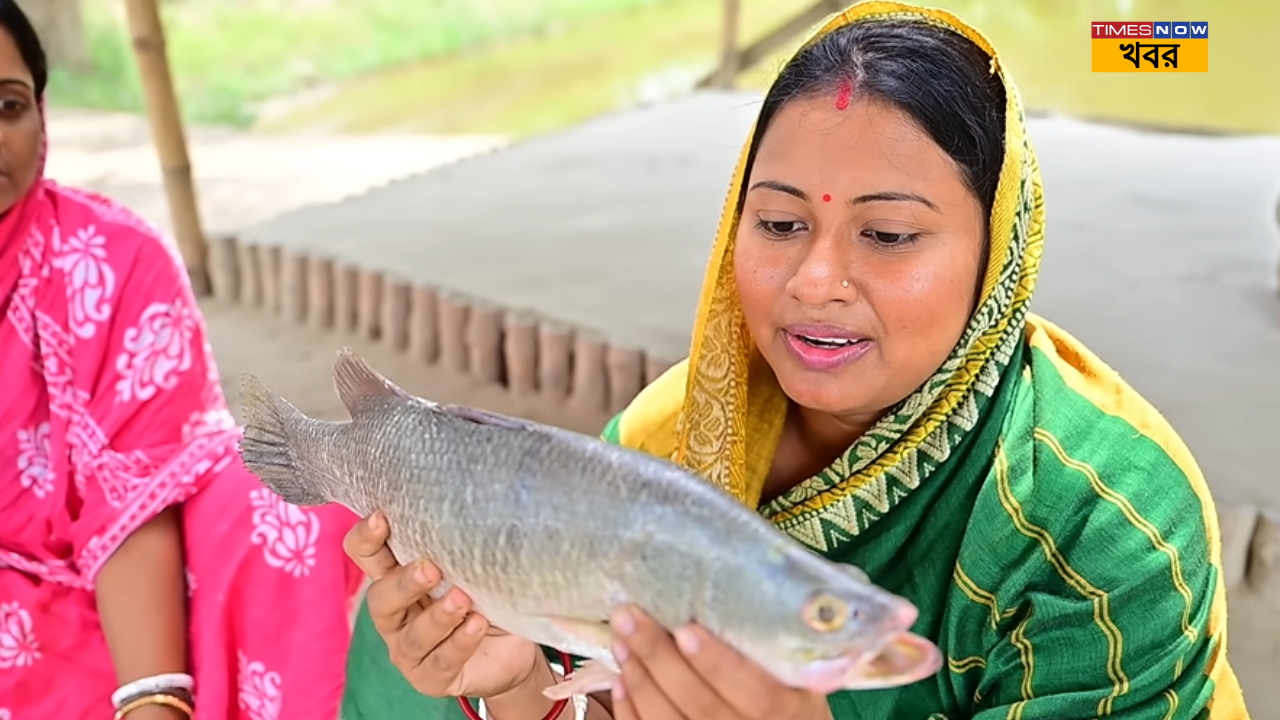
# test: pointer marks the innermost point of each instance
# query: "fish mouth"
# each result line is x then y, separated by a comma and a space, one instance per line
900, 659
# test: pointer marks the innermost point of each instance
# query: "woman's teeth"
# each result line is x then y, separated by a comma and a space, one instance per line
826, 342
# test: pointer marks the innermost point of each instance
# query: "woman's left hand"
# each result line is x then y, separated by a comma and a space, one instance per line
694, 676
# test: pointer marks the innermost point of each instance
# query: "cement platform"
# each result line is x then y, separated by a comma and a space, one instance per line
616, 213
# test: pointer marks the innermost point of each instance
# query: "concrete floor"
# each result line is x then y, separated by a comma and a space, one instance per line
242, 178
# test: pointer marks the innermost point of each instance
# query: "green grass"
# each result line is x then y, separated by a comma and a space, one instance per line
538, 84
517, 67
227, 55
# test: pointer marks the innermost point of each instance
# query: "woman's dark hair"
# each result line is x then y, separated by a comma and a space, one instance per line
28, 41
937, 76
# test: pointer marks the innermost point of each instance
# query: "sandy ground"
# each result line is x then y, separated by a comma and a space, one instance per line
297, 362
242, 178
247, 179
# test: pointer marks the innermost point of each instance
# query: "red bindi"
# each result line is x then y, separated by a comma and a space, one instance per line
826, 197
844, 93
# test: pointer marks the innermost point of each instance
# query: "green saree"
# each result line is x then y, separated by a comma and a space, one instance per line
1054, 531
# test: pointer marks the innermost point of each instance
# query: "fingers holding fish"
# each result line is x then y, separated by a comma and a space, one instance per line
424, 636
636, 696
656, 679
366, 545
435, 648
471, 660
399, 596
449, 657
692, 674
431, 642
749, 689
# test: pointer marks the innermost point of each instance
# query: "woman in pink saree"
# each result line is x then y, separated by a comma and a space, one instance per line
136, 552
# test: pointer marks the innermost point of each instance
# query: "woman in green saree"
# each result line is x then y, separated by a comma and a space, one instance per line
864, 371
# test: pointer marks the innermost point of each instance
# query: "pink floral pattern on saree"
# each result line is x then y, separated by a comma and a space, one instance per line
116, 414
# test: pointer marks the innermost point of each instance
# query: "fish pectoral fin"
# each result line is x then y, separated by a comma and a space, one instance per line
590, 677
484, 417
593, 633
360, 386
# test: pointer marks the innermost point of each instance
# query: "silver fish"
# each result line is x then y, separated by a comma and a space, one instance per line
548, 530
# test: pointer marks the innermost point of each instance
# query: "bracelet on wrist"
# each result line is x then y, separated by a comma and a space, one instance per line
565, 660
165, 682
164, 699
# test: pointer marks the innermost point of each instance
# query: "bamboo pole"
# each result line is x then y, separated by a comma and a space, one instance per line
729, 56
760, 49
147, 34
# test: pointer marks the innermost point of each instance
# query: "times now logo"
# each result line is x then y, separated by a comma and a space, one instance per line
1155, 30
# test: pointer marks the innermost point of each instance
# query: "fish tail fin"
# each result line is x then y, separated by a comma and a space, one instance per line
266, 446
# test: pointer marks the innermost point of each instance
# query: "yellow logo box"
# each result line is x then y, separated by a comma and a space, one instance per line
1153, 47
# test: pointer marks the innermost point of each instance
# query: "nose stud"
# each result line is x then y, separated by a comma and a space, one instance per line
844, 283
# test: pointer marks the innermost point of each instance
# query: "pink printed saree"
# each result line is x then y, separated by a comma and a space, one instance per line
112, 411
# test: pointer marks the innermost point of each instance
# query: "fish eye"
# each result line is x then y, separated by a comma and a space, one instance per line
826, 613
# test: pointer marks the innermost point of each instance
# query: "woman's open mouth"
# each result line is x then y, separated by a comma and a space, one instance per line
825, 351
827, 343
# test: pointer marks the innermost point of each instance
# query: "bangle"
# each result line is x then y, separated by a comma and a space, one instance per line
580, 705
556, 709
156, 699
151, 685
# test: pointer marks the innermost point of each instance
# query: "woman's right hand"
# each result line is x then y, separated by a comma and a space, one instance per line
442, 648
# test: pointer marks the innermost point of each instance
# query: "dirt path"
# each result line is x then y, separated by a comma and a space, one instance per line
241, 178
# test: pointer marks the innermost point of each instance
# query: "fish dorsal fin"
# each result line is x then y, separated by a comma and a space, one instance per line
485, 417
359, 386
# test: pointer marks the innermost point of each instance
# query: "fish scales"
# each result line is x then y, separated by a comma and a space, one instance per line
505, 512
549, 530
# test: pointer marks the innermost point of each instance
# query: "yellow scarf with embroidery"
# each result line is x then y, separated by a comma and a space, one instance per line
720, 412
